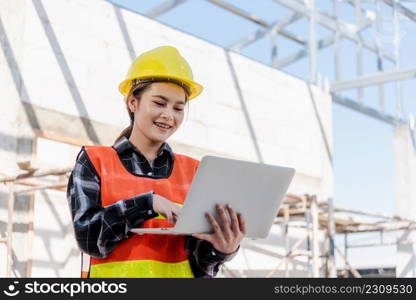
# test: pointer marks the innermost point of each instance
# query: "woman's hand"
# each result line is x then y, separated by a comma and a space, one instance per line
166, 208
227, 235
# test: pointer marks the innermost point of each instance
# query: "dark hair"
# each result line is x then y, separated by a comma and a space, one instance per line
139, 89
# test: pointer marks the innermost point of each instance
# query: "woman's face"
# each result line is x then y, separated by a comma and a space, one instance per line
160, 111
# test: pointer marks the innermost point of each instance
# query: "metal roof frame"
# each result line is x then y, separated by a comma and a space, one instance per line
340, 29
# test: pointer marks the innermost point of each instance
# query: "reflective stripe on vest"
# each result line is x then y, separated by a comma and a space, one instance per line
147, 255
143, 269
85, 264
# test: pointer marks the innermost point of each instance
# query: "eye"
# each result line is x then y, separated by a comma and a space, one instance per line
158, 103
178, 109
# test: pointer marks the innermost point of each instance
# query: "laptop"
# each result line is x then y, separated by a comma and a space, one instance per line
255, 190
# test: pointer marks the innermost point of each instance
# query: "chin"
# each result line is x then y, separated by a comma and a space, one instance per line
161, 137
158, 139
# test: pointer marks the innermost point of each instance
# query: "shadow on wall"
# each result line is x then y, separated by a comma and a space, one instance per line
17, 77
243, 106
321, 126
58, 266
49, 237
66, 71
124, 32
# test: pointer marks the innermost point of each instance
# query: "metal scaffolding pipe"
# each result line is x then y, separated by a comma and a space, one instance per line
359, 49
354, 272
396, 44
275, 27
42, 187
315, 242
257, 20
322, 43
312, 45
332, 273
38, 173
373, 79
367, 110
295, 246
352, 229
9, 237
370, 214
163, 8
346, 30
337, 44
402, 9
379, 55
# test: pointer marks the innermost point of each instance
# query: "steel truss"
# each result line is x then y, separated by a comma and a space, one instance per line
340, 30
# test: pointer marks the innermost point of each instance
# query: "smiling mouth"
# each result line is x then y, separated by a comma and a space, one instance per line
162, 126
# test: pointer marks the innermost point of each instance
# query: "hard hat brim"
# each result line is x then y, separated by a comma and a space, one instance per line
194, 87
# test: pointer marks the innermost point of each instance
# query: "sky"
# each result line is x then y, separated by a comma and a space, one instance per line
363, 147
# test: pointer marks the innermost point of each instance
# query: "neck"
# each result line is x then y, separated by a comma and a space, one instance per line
147, 147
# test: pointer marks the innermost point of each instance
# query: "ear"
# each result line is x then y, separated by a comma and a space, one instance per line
132, 103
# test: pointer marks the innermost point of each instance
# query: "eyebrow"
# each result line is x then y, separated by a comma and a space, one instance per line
166, 99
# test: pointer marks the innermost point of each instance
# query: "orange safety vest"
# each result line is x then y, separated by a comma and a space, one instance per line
147, 255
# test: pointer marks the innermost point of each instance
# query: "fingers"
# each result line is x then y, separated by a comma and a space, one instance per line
242, 224
234, 220
224, 222
204, 236
175, 218
176, 210
167, 208
169, 216
215, 226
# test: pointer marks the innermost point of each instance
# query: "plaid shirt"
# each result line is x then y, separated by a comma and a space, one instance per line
98, 230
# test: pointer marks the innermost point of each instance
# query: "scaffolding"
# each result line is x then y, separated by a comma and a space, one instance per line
321, 217
25, 184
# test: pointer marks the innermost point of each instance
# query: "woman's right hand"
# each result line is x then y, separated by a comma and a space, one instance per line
166, 208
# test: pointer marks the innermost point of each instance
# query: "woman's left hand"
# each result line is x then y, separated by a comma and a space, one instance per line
227, 235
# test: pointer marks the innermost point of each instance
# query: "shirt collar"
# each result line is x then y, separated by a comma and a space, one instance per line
124, 144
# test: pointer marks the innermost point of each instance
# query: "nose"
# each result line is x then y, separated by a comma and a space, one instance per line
167, 115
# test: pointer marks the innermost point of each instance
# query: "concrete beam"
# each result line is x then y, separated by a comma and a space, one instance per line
71, 126
373, 79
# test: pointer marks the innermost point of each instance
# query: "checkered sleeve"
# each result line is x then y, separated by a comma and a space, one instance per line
99, 229
204, 259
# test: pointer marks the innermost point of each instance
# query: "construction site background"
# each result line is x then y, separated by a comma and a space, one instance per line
59, 82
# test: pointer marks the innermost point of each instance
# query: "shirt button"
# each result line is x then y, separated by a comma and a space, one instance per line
150, 173
213, 253
149, 212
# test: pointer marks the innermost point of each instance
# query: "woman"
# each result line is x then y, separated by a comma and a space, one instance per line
141, 182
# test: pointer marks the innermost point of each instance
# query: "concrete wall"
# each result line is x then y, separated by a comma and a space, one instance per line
405, 170
61, 62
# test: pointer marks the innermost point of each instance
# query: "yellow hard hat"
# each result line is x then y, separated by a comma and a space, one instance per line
161, 64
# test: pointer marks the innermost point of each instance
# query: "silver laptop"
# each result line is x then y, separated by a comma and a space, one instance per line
253, 189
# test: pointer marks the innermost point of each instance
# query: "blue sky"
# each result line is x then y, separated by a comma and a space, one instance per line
363, 147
